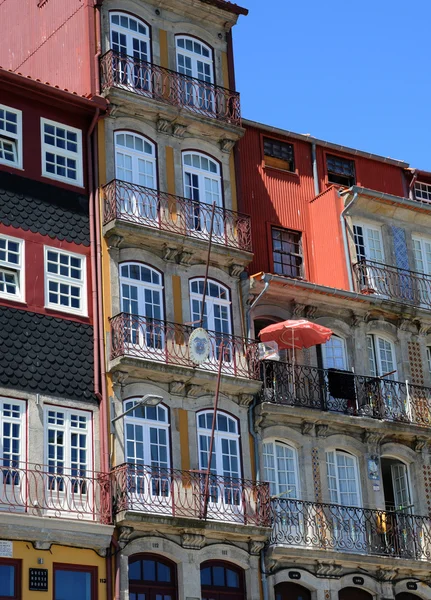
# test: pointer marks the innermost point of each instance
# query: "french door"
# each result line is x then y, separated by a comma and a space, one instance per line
202, 186
225, 494
386, 396
280, 463
135, 164
216, 316
141, 293
369, 248
130, 40
347, 524
146, 441
194, 60
422, 255
13, 485
340, 384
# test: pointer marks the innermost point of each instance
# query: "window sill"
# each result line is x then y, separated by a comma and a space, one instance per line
21, 302
56, 311
74, 184
293, 174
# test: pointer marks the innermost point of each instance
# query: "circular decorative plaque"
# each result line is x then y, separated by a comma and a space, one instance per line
199, 345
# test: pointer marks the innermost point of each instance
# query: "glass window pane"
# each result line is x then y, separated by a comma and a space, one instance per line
7, 580
70, 585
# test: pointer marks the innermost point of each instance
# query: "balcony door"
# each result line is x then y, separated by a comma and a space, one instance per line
146, 444
347, 524
202, 187
225, 488
194, 60
422, 256
341, 395
13, 477
369, 250
130, 40
216, 316
135, 171
387, 398
141, 291
280, 465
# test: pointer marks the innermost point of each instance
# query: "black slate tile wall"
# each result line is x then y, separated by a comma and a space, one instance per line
44, 208
46, 355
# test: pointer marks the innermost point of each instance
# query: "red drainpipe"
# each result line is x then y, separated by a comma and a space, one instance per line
97, 45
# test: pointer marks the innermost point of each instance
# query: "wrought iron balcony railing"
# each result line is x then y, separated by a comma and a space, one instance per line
350, 529
175, 493
345, 392
47, 491
164, 342
393, 283
134, 203
150, 80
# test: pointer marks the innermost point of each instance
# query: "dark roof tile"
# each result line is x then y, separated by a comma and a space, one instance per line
45, 354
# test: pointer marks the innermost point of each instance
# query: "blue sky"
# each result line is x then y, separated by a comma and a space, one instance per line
354, 72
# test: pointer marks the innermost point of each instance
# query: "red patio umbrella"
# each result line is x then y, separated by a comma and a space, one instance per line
295, 334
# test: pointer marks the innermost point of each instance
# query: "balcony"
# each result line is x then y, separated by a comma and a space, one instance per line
42, 491
345, 392
331, 527
392, 283
172, 88
164, 343
160, 211
181, 494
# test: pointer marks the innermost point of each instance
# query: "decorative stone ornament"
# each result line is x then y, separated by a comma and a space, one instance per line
199, 345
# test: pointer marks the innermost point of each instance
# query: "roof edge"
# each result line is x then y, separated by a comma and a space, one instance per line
312, 140
229, 6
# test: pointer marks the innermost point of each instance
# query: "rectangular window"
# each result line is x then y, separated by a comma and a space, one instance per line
11, 268
67, 445
423, 191
340, 170
422, 254
279, 154
10, 579
10, 136
75, 581
65, 288
61, 152
287, 252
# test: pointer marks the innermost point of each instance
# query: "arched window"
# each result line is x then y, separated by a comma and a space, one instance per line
202, 185
280, 464
217, 315
381, 357
130, 41
135, 163
152, 577
343, 478
353, 593
222, 581
146, 443
141, 294
291, 591
194, 60
225, 487
334, 353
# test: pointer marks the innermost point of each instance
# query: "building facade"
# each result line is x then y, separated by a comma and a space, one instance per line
341, 239
54, 501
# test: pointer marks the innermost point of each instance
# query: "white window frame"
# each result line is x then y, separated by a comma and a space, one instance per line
7, 135
324, 352
129, 33
376, 228
142, 286
374, 337
422, 240
275, 484
338, 451
201, 175
135, 156
210, 302
68, 430
19, 269
77, 156
82, 284
194, 56
4, 400
422, 191
218, 436
146, 424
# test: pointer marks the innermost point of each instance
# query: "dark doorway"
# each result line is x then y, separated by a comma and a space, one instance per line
291, 591
351, 593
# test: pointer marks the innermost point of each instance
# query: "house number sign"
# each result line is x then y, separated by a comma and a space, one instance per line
358, 580
411, 585
38, 580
